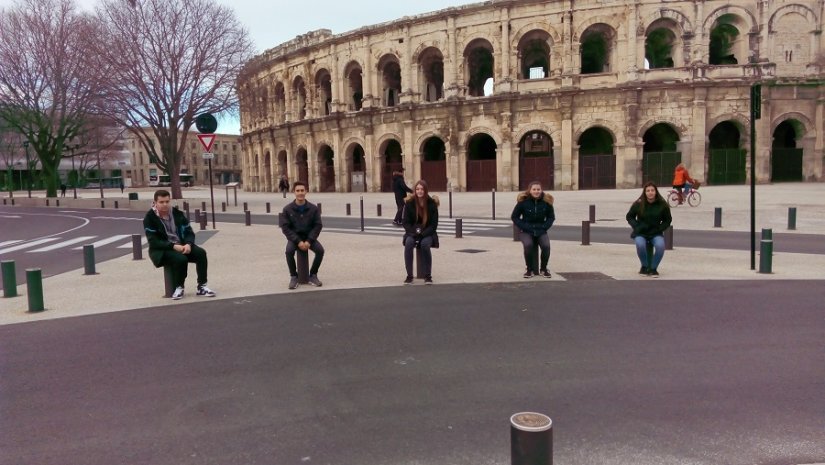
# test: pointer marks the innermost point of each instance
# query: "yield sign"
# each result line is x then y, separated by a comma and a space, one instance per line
206, 141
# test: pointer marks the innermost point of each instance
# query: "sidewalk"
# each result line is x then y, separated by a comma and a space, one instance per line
247, 261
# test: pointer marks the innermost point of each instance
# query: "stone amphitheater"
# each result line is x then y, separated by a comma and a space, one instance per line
587, 94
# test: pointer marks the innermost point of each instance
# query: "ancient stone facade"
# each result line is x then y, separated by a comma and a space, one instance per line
579, 95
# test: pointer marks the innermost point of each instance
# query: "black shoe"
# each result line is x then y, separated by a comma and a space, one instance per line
409, 280
545, 273
528, 274
428, 279
293, 282
653, 273
313, 279
643, 270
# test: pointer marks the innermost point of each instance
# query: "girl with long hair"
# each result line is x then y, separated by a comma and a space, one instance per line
420, 224
649, 216
534, 215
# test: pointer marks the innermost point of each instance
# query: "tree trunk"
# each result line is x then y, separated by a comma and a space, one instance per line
49, 177
174, 177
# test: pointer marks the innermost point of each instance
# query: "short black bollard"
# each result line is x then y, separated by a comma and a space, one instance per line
168, 285
197, 215
378, 210
9, 278
223, 207
186, 209
669, 238
349, 209
516, 232
284, 193
766, 252
717, 217
34, 286
531, 439
245, 206
89, 259
320, 209
203, 206
459, 228
494, 204
248, 215
137, 247
592, 213
585, 232
57, 203
268, 209
186, 206
419, 270
117, 205
362, 213
791, 218
302, 262
102, 204
47, 202
450, 194
203, 220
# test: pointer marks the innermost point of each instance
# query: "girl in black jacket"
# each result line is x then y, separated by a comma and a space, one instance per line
420, 224
649, 216
534, 215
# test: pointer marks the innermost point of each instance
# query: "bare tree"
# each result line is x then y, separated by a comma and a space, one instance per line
172, 60
100, 142
47, 83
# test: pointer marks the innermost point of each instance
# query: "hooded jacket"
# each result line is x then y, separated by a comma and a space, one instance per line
534, 216
301, 223
411, 219
157, 237
651, 222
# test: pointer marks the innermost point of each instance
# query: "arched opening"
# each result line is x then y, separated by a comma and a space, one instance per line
478, 66
266, 176
300, 92
283, 169
597, 162
596, 49
326, 169
280, 103
481, 163
431, 74
726, 160
323, 82
302, 166
728, 45
356, 86
660, 155
534, 55
390, 72
356, 168
536, 160
434, 164
660, 44
392, 160
786, 158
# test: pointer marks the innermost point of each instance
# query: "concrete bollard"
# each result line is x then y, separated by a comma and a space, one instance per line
766, 252
450, 195
592, 212
203, 206
168, 285
34, 286
494, 204
57, 202
203, 220
223, 207
9, 278
585, 232
268, 208
362, 213
717, 217
248, 215
117, 205
89, 259
459, 228
531, 439
349, 209
102, 204
137, 247
47, 202
378, 210
320, 209
197, 215
669, 238
791, 218
245, 206
302, 262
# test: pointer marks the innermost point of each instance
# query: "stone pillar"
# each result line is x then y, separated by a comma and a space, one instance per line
369, 78
564, 164
816, 171
631, 46
696, 160
407, 67
372, 177
503, 82
452, 83
339, 162
764, 139
407, 148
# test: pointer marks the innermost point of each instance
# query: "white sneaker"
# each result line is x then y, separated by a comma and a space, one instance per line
204, 291
178, 294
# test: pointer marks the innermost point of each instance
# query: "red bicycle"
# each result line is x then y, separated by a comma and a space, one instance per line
693, 197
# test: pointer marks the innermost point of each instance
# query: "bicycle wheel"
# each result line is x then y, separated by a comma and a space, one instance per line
673, 199
694, 199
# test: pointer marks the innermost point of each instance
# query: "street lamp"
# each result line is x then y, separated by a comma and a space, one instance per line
28, 169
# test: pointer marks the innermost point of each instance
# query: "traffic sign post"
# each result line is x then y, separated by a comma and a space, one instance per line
207, 125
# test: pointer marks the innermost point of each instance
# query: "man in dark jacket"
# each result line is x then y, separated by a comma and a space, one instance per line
400, 188
301, 224
172, 243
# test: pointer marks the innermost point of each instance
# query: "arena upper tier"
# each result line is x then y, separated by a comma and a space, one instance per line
579, 95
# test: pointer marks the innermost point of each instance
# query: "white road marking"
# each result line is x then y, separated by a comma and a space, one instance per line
3, 244
10, 217
106, 241
116, 218
27, 245
129, 244
60, 245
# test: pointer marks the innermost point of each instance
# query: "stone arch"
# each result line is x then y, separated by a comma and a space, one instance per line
524, 129
738, 11
742, 123
793, 8
354, 161
325, 162
475, 130
536, 159
599, 123
433, 158
380, 143
591, 41
535, 25
585, 24
389, 74
803, 120
680, 129
323, 85
481, 160
430, 62
353, 76
389, 161
479, 65
534, 49
663, 44
422, 138
299, 92
676, 16
597, 159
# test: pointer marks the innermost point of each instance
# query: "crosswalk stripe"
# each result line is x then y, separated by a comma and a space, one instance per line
27, 245
128, 245
109, 240
3, 244
441, 227
60, 245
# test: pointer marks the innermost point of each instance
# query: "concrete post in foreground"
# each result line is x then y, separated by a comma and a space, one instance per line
168, 286
592, 212
34, 284
585, 232
717, 217
302, 264
137, 247
268, 208
531, 439
248, 215
9, 278
89, 259
378, 210
791, 218
459, 228
766, 252
669, 238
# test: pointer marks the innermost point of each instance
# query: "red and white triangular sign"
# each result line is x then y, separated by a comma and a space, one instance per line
206, 141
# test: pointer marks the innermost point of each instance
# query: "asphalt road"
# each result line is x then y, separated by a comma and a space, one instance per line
649, 372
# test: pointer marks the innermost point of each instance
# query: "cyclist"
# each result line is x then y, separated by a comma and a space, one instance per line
682, 181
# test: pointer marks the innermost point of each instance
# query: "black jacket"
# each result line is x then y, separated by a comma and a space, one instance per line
299, 225
652, 222
400, 188
411, 223
534, 216
157, 237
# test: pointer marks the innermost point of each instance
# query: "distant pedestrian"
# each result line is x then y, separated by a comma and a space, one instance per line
301, 224
420, 230
534, 215
122, 187
172, 242
283, 185
400, 188
649, 216
62, 189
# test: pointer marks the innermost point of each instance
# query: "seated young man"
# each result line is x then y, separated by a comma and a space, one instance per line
301, 224
172, 242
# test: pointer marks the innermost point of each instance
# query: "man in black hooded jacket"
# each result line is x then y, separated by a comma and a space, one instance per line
400, 188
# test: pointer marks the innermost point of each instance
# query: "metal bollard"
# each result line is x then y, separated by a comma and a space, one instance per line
284, 194
592, 213
137, 247
34, 286
302, 263
102, 204
245, 206
57, 202
419, 272
531, 439
349, 209
362, 213
378, 210
585, 232
459, 228
516, 232
168, 285
197, 215
203, 206
717, 217
117, 205
791, 218
89, 259
223, 207
203, 220
320, 209
669, 238
248, 215
766, 252
9, 278
268, 210
451, 203
494, 204
47, 202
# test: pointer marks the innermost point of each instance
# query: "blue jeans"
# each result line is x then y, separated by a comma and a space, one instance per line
658, 243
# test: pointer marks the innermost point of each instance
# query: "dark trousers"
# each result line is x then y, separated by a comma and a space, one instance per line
529, 241
180, 264
400, 212
426, 255
316, 248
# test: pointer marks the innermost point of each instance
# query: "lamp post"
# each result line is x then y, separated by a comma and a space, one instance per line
28, 169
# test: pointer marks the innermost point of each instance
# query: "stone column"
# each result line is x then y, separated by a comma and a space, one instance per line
696, 160
407, 67
764, 139
369, 79
372, 176
816, 171
504, 81
565, 163
452, 82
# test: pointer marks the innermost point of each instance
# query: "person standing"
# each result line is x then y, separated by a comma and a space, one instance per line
400, 188
283, 185
63, 189
172, 243
301, 224
534, 215
121, 187
649, 216
682, 181
420, 230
